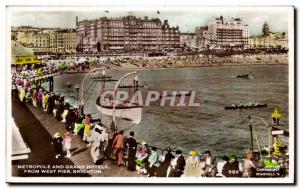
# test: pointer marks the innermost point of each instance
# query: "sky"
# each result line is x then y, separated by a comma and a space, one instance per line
185, 19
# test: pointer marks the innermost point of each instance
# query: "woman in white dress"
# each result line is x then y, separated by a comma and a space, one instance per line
192, 168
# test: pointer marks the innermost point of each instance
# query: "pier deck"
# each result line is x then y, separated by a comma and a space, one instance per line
37, 128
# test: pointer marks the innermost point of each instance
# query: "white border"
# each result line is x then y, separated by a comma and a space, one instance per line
290, 179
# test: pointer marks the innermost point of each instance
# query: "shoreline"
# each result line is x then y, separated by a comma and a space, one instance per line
182, 67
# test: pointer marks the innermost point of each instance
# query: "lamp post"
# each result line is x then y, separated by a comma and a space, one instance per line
81, 106
276, 115
69, 85
269, 133
77, 94
251, 132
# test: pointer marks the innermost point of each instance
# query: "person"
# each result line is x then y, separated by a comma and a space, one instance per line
192, 168
226, 167
21, 94
34, 97
231, 167
87, 130
45, 101
71, 118
60, 109
131, 146
51, 103
67, 143
118, 146
142, 158
235, 166
27, 84
151, 166
177, 165
57, 143
57, 100
65, 112
14, 92
248, 166
210, 164
165, 163
27, 96
79, 125
99, 138
40, 98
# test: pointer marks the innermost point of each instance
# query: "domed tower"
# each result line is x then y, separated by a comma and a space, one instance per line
265, 29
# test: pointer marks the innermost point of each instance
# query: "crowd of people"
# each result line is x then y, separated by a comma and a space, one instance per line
106, 145
84, 63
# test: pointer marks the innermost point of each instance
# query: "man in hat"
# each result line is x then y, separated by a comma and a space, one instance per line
57, 143
165, 163
131, 145
151, 165
99, 138
60, 109
210, 168
51, 103
177, 165
118, 146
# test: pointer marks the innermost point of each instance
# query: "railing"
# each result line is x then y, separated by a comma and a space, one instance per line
45, 76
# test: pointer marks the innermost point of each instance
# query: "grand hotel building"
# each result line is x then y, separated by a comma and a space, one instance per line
125, 33
226, 34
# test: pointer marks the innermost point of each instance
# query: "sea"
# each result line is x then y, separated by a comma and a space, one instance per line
205, 127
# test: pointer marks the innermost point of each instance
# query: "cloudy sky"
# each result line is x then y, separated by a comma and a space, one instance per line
186, 20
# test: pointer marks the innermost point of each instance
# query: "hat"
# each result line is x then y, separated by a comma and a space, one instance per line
178, 152
193, 152
168, 149
225, 158
143, 142
57, 134
232, 156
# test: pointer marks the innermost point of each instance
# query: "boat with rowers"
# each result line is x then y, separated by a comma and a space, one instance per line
246, 105
245, 76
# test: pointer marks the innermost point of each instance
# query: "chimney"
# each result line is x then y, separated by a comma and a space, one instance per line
76, 21
221, 17
166, 23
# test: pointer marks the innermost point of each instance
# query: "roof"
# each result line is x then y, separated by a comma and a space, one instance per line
19, 50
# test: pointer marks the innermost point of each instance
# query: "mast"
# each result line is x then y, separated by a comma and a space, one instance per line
81, 107
135, 84
114, 96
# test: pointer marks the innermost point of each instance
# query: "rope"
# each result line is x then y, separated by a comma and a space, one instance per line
173, 122
257, 142
92, 85
227, 134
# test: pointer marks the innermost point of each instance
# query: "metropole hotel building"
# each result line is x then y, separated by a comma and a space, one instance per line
125, 34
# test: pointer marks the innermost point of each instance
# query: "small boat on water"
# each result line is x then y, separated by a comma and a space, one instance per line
245, 106
245, 76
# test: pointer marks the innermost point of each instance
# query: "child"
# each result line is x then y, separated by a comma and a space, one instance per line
67, 143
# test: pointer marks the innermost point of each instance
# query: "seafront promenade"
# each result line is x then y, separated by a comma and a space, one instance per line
37, 129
